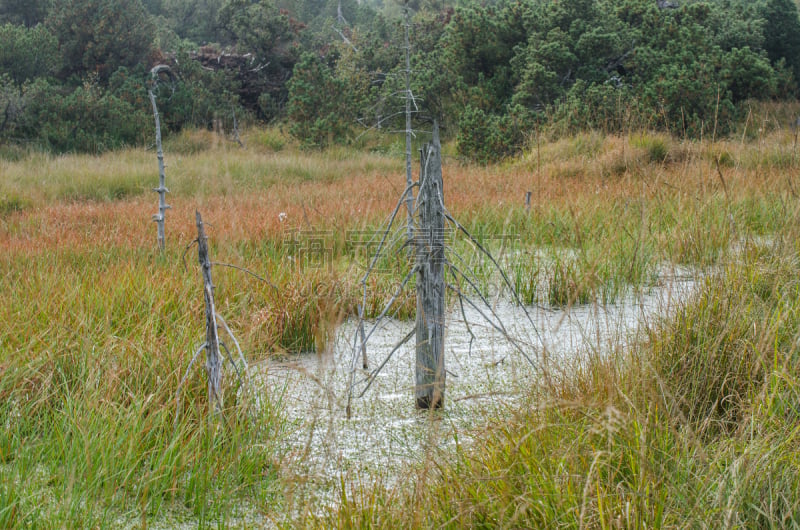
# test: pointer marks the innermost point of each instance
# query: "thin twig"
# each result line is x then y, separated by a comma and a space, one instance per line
233, 363
251, 273
374, 374
456, 271
499, 269
722, 179
391, 301
185, 251
466, 322
499, 327
233, 337
345, 39
386, 233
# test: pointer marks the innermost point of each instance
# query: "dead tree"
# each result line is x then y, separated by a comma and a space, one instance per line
162, 188
411, 108
424, 232
429, 244
432, 261
213, 362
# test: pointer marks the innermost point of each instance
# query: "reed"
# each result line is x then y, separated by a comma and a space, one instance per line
693, 426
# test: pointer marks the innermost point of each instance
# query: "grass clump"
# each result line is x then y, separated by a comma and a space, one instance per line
526, 283
567, 286
271, 139
190, 142
655, 147
12, 204
716, 353
694, 426
90, 366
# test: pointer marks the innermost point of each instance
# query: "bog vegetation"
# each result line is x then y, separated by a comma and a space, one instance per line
695, 424
648, 134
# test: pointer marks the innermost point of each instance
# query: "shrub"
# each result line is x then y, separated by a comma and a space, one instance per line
487, 138
86, 119
317, 111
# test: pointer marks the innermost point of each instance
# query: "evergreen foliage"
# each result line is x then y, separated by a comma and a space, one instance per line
317, 111
98, 36
261, 29
27, 13
85, 119
27, 53
491, 72
782, 33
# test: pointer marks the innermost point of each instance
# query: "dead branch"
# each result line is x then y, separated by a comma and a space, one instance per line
213, 364
375, 372
235, 342
246, 271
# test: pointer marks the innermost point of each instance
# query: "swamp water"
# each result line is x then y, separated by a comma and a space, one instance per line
322, 450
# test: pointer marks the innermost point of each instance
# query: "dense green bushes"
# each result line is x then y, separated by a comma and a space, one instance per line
494, 72
86, 119
612, 65
484, 137
317, 106
490, 72
77, 80
93, 117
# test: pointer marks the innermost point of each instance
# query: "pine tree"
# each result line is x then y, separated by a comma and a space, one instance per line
99, 36
782, 33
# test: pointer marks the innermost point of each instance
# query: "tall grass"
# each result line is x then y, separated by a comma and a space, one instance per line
691, 428
93, 352
695, 425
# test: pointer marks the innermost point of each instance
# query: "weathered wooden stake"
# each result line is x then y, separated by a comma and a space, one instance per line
527, 201
162, 188
430, 372
213, 358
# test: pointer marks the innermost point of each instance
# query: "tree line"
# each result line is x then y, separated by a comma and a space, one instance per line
74, 73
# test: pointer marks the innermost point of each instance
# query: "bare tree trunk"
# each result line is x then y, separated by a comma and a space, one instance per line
213, 358
430, 371
162, 178
236, 128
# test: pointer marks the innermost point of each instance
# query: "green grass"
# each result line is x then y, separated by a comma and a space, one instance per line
90, 367
12, 204
694, 426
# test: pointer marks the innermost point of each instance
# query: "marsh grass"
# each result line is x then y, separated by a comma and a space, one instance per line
11, 204
90, 368
695, 426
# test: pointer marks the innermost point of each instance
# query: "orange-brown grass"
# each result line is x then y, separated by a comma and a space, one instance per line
583, 189
646, 190
565, 175
98, 327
